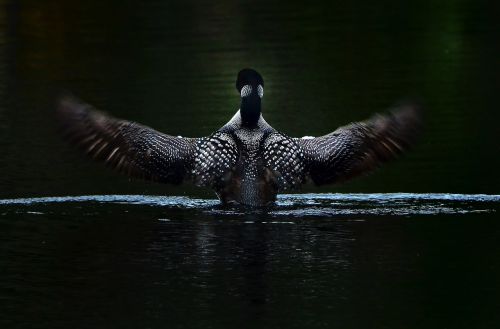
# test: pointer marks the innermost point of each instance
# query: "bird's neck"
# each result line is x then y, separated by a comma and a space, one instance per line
250, 110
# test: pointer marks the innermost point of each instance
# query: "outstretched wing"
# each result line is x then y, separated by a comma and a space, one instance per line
361, 146
129, 147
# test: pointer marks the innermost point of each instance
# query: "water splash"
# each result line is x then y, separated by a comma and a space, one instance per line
300, 205
152, 200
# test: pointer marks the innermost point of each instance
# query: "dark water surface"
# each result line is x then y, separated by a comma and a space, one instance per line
141, 255
327, 260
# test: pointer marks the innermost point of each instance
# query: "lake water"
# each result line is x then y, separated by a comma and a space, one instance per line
414, 245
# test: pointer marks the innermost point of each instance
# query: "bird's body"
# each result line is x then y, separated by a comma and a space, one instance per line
246, 161
247, 156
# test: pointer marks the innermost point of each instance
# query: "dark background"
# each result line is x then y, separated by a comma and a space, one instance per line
172, 65
321, 261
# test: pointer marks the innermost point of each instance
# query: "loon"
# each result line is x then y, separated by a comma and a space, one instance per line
246, 161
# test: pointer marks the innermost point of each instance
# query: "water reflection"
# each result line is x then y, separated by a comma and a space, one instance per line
305, 262
245, 266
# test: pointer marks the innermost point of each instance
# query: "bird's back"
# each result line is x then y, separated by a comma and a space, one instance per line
237, 166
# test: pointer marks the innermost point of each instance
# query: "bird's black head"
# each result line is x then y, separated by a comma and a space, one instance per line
249, 77
250, 85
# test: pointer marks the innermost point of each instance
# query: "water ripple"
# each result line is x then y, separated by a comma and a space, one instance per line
300, 205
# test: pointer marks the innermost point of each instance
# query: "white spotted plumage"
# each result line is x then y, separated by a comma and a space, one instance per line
250, 151
215, 155
246, 90
246, 160
260, 91
283, 155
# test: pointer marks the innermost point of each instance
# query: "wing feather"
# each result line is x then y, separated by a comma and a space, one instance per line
360, 147
128, 147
